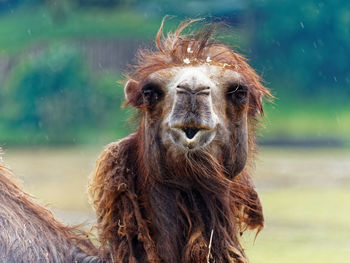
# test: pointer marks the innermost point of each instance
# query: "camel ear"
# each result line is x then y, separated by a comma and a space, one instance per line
256, 105
133, 94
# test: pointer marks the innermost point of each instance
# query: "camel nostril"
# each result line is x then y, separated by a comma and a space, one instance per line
190, 131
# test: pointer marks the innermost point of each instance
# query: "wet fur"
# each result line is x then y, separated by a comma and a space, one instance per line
30, 233
157, 206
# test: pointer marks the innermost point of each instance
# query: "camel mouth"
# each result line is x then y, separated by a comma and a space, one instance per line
191, 137
190, 131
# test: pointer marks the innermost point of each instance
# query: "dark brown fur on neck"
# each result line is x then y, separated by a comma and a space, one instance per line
157, 205
143, 219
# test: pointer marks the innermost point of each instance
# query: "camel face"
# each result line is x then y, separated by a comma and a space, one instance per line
196, 108
199, 99
196, 105
192, 121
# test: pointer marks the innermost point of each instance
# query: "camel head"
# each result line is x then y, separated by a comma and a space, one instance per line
198, 103
197, 96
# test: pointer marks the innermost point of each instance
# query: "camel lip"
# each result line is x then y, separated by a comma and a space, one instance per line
192, 137
190, 133
191, 126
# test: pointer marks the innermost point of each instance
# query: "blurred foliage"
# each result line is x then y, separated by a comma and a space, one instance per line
28, 26
49, 93
102, 3
51, 97
301, 48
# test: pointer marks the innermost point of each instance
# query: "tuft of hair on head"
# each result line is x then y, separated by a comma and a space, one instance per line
196, 47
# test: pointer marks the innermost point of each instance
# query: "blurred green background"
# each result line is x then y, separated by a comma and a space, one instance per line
61, 71
60, 63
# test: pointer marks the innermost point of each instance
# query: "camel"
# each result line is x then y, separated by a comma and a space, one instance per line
30, 233
179, 188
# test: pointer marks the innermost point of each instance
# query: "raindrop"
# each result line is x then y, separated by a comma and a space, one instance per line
335, 79
337, 119
302, 25
320, 42
29, 32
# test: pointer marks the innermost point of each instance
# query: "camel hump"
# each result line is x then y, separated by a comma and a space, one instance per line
110, 169
116, 152
114, 157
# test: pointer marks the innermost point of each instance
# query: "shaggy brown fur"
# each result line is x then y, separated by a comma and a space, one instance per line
154, 208
30, 233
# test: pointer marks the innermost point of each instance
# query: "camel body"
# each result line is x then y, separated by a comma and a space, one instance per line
30, 233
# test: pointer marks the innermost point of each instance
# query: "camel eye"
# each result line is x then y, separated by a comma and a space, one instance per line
238, 94
151, 94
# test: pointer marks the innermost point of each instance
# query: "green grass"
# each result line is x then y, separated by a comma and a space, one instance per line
304, 225
57, 177
300, 119
305, 195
